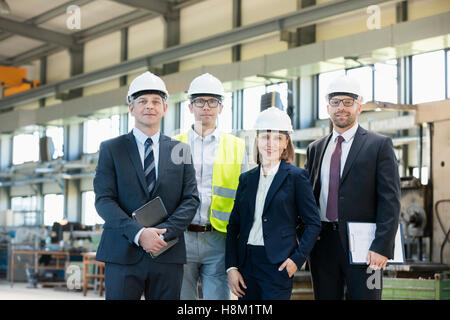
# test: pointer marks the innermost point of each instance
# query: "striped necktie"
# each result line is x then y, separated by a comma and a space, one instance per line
149, 166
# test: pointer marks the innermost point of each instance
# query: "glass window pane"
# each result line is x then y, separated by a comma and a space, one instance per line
364, 76
324, 81
186, 117
281, 88
386, 81
131, 122
25, 210
448, 74
90, 216
96, 131
26, 148
225, 119
53, 208
252, 105
428, 77
57, 135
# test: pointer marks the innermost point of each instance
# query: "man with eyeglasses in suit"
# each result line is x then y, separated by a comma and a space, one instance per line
355, 178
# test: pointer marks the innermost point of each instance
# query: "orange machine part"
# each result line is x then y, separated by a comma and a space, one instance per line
20, 88
12, 76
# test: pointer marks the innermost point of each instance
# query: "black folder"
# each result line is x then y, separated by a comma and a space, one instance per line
151, 214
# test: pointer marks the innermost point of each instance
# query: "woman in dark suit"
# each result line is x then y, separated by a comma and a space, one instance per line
272, 200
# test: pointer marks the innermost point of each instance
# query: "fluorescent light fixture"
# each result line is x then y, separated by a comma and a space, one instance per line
4, 7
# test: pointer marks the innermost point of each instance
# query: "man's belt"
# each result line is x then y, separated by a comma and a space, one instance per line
198, 228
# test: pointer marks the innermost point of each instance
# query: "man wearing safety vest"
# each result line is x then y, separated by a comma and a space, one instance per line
219, 158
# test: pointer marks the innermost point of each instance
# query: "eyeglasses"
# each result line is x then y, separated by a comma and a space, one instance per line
200, 103
335, 102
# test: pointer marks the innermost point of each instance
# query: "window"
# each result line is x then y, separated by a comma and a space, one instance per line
424, 174
224, 120
90, 216
53, 208
26, 148
96, 131
428, 77
324, 81
386, 81
364, 75
282, 89
57, 136
448, 74
252, 101
131, 122
25, 210
186, 117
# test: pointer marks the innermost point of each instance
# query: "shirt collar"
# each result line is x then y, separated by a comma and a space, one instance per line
347, 135
142, 137
272, 171
213, 135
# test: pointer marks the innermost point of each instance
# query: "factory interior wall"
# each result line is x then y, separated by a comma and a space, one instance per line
142, 39
105, 51
441, 186
100, 53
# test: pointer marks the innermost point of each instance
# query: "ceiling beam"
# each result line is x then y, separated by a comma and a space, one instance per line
156, 6
302, 17
48, 15
37, 33
83, 36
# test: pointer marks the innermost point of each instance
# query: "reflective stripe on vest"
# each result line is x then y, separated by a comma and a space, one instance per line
225, 179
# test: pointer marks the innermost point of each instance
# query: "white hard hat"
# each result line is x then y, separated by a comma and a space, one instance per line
206, 84
344, 84
273, 119
144, 82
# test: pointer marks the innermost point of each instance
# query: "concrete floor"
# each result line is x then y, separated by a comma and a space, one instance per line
20, 292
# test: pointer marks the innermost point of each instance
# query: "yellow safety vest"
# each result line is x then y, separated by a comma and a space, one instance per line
225, 179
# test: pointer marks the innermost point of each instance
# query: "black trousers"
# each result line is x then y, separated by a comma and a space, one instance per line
262, 278
157, 281
331, 271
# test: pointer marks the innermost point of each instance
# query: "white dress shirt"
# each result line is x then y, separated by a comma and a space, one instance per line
204, 150
325, 169
140, 141
255, 237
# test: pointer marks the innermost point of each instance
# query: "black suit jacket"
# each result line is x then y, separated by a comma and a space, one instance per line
120, 189
288, 203
369, 189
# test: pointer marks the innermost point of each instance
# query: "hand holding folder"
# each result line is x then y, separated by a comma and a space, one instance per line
360, 237
151, 214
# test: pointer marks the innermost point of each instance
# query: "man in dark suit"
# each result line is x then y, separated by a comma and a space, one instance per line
133, 169
355, 178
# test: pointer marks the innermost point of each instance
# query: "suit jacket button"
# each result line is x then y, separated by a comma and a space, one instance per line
264, 219
265, 236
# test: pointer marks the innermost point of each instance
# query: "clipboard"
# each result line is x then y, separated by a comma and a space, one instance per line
360, 237
151, 214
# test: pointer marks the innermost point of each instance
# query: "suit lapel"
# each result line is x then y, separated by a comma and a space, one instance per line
164, 155
358, 142
133, 153
276, 183
322, 147
253, 182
